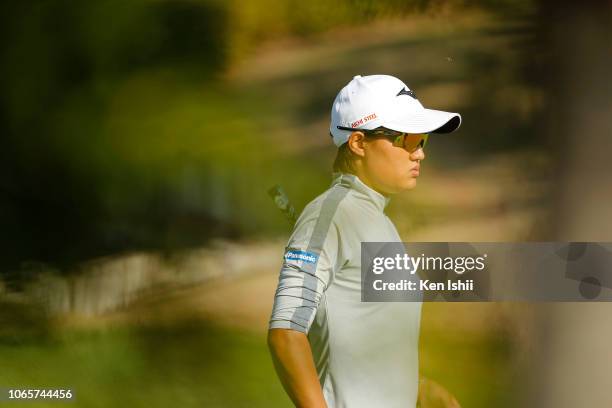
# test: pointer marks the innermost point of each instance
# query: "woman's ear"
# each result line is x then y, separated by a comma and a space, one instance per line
356, 143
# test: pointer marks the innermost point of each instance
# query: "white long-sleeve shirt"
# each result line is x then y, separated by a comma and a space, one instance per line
365, 353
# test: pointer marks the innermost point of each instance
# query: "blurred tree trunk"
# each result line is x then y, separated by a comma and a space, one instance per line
574, 358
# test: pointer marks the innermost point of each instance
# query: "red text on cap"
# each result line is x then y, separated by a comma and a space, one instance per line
363, 120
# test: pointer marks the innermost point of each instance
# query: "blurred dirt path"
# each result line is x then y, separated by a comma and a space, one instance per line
242, 302
488, 202
245, 301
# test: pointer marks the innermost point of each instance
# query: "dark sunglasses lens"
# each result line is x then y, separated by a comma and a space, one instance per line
413, 142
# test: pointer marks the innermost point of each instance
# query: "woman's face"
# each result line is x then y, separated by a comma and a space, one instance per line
389, 169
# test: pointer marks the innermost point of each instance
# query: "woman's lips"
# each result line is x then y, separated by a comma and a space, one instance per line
415, 171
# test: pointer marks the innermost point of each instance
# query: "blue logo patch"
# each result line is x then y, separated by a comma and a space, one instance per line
304, 256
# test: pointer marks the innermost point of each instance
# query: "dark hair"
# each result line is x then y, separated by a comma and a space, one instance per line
344, 162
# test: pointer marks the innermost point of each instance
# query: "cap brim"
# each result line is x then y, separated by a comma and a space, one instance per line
427, 121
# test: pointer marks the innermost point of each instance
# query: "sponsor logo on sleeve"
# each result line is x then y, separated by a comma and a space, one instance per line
301, 256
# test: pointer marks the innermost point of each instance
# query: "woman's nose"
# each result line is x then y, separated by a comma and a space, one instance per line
418, 154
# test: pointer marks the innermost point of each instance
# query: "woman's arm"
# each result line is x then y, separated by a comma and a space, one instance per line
295, 367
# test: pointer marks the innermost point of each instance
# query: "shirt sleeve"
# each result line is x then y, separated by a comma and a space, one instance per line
309, 263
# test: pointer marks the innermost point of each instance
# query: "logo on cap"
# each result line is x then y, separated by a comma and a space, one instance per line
405, 91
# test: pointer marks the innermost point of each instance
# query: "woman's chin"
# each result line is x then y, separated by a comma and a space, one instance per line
410, 184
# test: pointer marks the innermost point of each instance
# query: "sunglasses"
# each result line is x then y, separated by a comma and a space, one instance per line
409, 141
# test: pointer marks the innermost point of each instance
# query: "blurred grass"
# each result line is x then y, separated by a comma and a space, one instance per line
195, 363
476, 367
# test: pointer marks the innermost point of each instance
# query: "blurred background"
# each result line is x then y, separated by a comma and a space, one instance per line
140, 250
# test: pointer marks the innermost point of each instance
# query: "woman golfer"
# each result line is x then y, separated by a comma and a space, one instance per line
329, 348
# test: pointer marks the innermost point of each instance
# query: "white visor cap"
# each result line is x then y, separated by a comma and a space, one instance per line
382, 100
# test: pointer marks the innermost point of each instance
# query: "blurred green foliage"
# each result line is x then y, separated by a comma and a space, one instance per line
121, 131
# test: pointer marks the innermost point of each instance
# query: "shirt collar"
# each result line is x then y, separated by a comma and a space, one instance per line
353, 182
